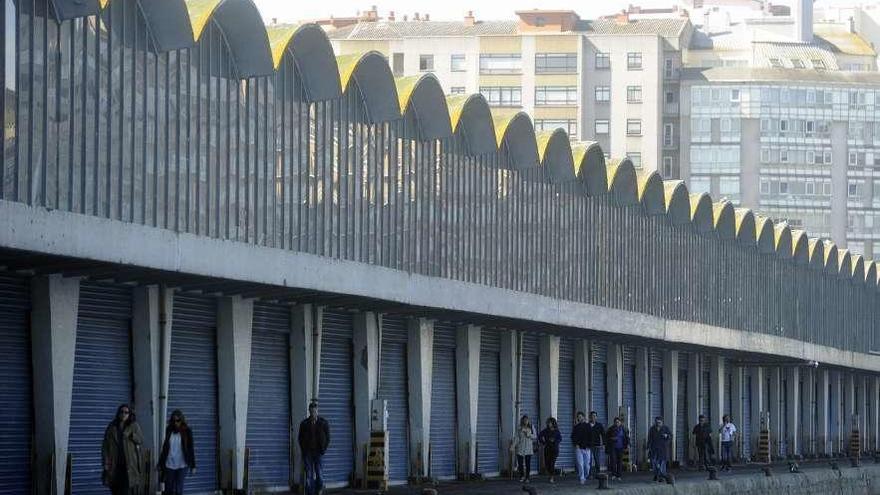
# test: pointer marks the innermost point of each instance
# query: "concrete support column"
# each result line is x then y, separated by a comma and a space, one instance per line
836, 404
792, 392
420, 365
548, 374
808, 407
54, 308
582, 370
467, 377
874, 411
670, 395
643, 400
509, 357
736, 408
775, 408
718, 383
694, 395
823, 411
366, 384
305, 352
235, 318
615, 380
849, 410
757, 403
862, 411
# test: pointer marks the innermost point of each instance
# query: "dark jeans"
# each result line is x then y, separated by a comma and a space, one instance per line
615, 461
726, 457
550, 455
707, 454
524, 465
314, 481
119, 485
173, 479
598, 451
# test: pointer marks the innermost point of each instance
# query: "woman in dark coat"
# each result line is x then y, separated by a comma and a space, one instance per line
121, 453
178, 454
550, 439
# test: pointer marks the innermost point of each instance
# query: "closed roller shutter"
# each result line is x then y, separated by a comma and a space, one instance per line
629, 400
656, 361
783, 421
101, 377
393, 388
268, 427
747, 416
529, 395
728, 404
16, 420
600, 379
443, 407
565, 406
335, 394
705, 389
193, 384
489, 403
681, 422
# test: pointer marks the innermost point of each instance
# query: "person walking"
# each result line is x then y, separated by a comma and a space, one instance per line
121, 453
580, 437
550, 439
314, 438
659, 446
703, 439
617, 440
524, 445
597, 442
728, 433
177, 456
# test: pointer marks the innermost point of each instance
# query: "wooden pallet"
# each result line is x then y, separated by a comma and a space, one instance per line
764, 446
377, 461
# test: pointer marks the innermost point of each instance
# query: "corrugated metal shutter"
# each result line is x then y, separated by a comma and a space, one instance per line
656, 362
443, 406
629, 399
705, 389
393, 388
16, 421
193, 384
268, 428
489, 403
600, 379
102, 377
565, 406
336, 391
681, 422
747, 416
783, 421
728, 405
529, 395
832, 419
815, 418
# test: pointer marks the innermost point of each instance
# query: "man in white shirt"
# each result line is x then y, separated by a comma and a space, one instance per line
728, 433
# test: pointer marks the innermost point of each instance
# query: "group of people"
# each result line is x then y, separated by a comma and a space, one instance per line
123, 459
705, 448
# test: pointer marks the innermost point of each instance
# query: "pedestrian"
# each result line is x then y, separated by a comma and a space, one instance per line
617, 440
728, 433
659, 446
597, 442
121, 453
178, 455
550, 439
703, 439
314, 438
580, 437
524, 445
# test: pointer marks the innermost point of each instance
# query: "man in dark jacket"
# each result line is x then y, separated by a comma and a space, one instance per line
580, 437
659, 446
617, 440
314, 438
703, 440
597, 442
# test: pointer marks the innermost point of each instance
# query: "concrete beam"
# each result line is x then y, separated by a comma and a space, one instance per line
758, 406
467, 376
775, 408
420, 365
643, 399
54, 310
305, 352
509, 357
792, 391
670, 395
823, 412
808, 407
582, 378
615, 380
235, 318
718, 383
694, 395
366, 384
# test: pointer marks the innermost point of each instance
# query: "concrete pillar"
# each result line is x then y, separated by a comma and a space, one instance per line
792, 392
775, 408
862, 411
643, 400
305, 352
235, 318
823, 411
670, 395
615, 380
808, 407
836, 404
54, 308
467, 377
694, 394
548, 374
582, 377
849, 410
366, 383
509, 357
736, 408
420, 364
718, 383
874, 411
757, 402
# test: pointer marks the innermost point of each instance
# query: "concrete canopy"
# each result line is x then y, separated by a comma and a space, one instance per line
782, 241
800, 249
764, 235
677, 201
515, 134
312, 55
701, 213
651, 193
589, 163
422, 101
724, 217
622, 182
368, 73
745, 227
816, 251
471, 119
554, 152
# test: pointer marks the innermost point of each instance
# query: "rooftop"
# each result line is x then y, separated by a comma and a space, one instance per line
794, 76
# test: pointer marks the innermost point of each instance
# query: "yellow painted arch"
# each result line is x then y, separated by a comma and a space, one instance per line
800, 249
745, 226
701, 212
622, 186
782, 241
677, 201
651, 193
858, 269
724, 219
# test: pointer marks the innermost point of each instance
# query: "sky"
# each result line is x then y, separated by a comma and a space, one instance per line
294, 10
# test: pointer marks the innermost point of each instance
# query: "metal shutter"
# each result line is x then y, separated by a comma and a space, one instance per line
16, 421
783, 421
443, 407
629, 400
706, 391
681, 422
656, 362
747, 416
489, 403
393, 388
728, 405
269, 418
600, 376
193, 385
102, 377
565, 406
529, 396
335, 395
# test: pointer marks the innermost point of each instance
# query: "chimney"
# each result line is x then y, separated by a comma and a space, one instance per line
390, 16
622, 17
416, 17
802, 12
469, 19
405, 17
274, 21
427, 17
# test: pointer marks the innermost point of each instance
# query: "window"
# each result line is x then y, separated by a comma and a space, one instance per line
633, 127
603, 60
797, 63
811, 157
556, 63
668, 135
826, 189
765, 155
540, 21
728, 186
854, 190
397, 64
783, 156
783, 187
765, 125
570, 126
603, 94
670, 97
826, 157
810, 188
500, 63
456, 90
775, 62
818, 64
505, 96
734, 95
634, 94
700, 185
783, 125
601, 126
667, 167
457, 63
765, 187
426, 62
556, 95
634, 61
636, 159
668, 71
